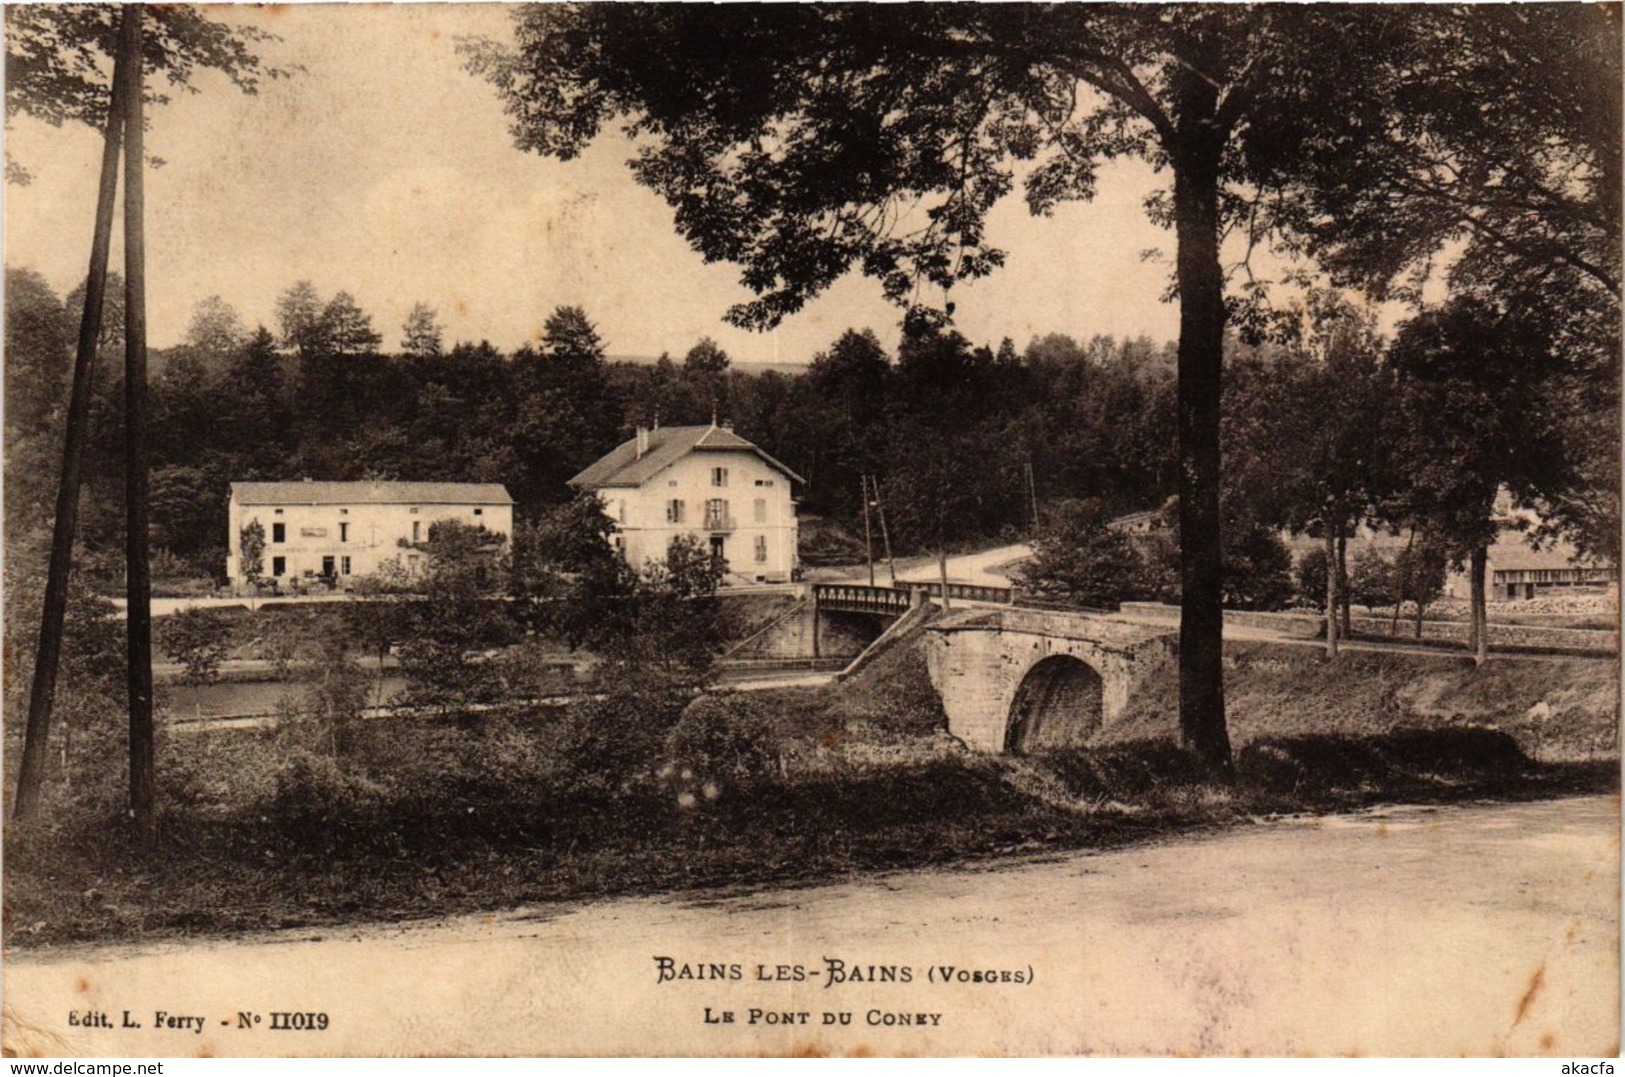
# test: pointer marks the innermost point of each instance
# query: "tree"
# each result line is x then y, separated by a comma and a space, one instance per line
1506, 175
1308, 429
216, 330
110, 341
1477, 416
378, 616
456, 613
346, 328
37, 359
251, 552
790, 140
1080, 559
571, 340
299, 318
54, 73
421, 332
1510, 149
196, 639
706, 357
55, 60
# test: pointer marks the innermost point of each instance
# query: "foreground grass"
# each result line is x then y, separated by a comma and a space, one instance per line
649, 793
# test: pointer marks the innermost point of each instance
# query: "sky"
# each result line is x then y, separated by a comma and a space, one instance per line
384, 169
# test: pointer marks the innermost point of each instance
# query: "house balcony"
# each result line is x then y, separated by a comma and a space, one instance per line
716, 522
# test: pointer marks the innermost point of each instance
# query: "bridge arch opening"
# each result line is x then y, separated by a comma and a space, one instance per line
1059, 703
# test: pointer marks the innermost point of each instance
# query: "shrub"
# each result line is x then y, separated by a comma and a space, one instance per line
1084, 561
720, 743
1373, 579
315, 790
1311, 579
619, 736
1257, 568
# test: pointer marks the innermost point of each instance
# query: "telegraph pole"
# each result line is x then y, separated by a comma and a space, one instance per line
868, 541
1032, 494
885, 536
42, 693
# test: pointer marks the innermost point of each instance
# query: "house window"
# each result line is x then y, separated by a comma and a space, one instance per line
674, 511
344, 531
719, 476
716, 513
413, 510
279, 532
417, 526
620, 545
276, 512
479, 512
761, 548
764, 482
344, 566
279, 565
344, 512
620, 510
759, 509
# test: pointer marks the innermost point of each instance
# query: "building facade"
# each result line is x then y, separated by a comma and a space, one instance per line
335, 531
706, 482
1516, 571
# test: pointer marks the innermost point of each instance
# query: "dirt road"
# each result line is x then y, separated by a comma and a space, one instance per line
1476, 929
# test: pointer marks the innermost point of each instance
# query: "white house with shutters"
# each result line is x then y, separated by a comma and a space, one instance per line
704, 481
333, 531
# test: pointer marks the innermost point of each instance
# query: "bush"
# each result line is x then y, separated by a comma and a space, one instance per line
1311, 579
1373, 579
1086, 562
1257, 569
720, 743
318, 791
619, 737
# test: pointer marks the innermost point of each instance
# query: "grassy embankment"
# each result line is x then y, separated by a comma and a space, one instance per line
645, 791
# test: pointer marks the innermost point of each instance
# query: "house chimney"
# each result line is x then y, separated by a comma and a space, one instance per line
643, 441
727, 424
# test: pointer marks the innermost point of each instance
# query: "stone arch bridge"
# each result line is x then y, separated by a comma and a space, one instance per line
1022, 680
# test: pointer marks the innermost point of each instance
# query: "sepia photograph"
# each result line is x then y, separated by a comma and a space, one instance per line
699, 530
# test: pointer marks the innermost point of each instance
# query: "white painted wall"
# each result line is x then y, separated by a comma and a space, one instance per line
646, 532
372, 536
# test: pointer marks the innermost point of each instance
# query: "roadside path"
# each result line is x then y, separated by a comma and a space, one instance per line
1473, 929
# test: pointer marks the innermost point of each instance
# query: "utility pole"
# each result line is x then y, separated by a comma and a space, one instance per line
1032, 494
138, 583
42, 693
885, 536
868, 541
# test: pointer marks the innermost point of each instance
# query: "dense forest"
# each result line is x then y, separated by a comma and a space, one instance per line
948, 427
1327, 425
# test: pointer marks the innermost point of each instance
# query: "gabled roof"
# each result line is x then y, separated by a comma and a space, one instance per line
370, 493
1513, 555
622, 466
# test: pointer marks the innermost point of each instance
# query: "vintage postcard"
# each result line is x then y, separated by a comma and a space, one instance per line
811, 530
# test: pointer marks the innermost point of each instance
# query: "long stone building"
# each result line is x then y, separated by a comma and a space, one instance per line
334, 531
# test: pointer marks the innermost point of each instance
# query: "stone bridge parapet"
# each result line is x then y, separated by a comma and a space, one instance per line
1024, 680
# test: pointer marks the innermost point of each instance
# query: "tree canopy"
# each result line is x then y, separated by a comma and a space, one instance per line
58, 59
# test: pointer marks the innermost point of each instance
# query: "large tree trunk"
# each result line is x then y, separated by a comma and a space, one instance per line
143, 794
1201, 354
1331, 595
1402, 583
1478, 637
42, 693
